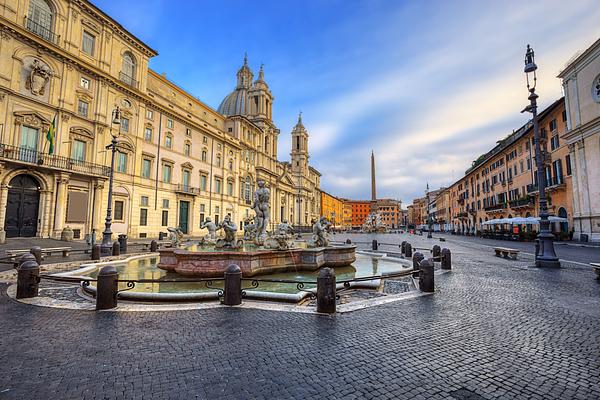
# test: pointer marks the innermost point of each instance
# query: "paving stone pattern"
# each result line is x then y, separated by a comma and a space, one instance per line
493, 330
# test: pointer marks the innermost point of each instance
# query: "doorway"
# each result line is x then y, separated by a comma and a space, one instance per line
22, 207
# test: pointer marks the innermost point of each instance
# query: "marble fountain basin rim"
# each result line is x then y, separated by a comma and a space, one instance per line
252, 263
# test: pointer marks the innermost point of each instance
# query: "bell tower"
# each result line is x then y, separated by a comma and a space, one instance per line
261, 98
299, 148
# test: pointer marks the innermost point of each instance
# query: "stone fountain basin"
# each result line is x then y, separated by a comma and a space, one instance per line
212, 264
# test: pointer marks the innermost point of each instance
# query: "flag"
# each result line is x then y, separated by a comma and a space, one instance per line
51, 136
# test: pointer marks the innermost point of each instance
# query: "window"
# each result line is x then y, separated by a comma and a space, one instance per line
144, 201
82, 108
521, 165
87, 43
218, 161
188, 132
149, 114
203, 179
125, 124
119, 206
528, 164
203, 155
204, 140
168, 141
129, 69
553, 125
554, 143
217, 185
187, 149
165, 203
568, 164
230, 188
564, 116
84, 83
231, 165
78, 150
185, 178
143, 216
148, 134
165, 218
39, 19
121, 162
169, 123
146, 168
167, 168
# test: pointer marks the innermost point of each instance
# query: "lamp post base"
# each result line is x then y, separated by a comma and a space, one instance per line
546, 256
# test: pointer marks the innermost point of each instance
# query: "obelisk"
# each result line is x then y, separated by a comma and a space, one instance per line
373, 187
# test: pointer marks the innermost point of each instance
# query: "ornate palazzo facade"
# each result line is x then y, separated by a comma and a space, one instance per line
65, 63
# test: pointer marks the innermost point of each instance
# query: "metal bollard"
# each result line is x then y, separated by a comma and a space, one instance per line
326, 291
28, 279
116, 249
403, 247
153, 246
426, 280
436, 252
537, 247
374, 245
348, 241
416, 259
96, 252
107, 288
232, 293
408, 250
37, 252
446, 259
123, 243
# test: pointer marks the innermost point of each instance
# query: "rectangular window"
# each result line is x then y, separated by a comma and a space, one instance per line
146, 168
82, 108
186, 179
87, 43
119, 206
568, 164
187, 149
553, 125
169, 123
84, 83
564, 116
168, 141
78, 150
165, 218
217, 185
121, 162
203, 179
554, 143
229, 188
188, 132
165, 203
521, 165
149, 114
125, 124
167, 173
144, 201
528, 164
148, 134
143, 216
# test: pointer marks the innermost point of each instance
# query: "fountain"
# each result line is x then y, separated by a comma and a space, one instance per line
373, 224
266, 252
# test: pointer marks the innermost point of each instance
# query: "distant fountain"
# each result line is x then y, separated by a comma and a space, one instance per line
373, 224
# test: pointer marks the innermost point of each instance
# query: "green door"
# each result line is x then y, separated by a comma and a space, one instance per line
184, 215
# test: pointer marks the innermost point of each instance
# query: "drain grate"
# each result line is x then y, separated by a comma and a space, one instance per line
465, 394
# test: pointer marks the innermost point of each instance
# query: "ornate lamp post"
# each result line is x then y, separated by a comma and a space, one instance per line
429, 220
546, 256
106, 246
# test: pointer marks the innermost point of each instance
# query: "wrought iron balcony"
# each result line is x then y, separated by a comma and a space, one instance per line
187, 189
556, 181
33, 157
495, 207
129, 80
532, 188
525, 202
41, 31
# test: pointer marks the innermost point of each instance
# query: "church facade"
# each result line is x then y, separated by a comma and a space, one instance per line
67, 67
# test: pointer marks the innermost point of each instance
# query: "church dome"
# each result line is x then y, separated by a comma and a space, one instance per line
236, 102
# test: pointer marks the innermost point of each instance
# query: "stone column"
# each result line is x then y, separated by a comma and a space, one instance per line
574, 179
62, 180
3, 200
45, 208
97, 209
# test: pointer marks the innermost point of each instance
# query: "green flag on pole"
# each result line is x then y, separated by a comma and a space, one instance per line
51, 136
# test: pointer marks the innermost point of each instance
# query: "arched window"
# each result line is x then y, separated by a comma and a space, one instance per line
40, 19
247, 189
203, 155
187, 148
168, 141
129, 69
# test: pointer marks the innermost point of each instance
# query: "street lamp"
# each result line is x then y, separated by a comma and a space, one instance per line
545, 256
429, 221
106, 246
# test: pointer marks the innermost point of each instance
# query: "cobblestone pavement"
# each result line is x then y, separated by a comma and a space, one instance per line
495, 329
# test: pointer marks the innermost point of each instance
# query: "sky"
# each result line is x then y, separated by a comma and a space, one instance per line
427, 85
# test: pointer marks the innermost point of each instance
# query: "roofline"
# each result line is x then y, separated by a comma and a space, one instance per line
578, 58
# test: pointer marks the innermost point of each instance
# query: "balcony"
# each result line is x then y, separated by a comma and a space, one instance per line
521, 203
495, 208
41, 31
33, 157
556, 182
462, 215
546, 158
187, 189
532, 189
128, 80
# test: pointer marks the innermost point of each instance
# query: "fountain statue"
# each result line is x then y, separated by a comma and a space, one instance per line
175, 236
281, 239
373, 224
249, 229
230, 228
262, 196
212, 230
319, 237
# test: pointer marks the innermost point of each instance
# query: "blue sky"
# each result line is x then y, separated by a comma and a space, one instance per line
428, 85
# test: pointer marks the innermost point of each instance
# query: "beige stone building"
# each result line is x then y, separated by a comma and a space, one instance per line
178, 161
581, 82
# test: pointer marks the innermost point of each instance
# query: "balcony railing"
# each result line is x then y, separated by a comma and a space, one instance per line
187, 189
34, 157
462, 214
556, 181
129, 80
520, 203
495, 207
41, 30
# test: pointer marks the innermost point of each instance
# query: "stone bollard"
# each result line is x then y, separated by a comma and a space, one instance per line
153, 246
232, 292
426, 279
96, 252
107, 288
326, 291
408, 251
446, 259
374, 245
348, 241
28, 279
37, 252
416, 259
403, 247
116, 249
537, 247
123, 243
436, 252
